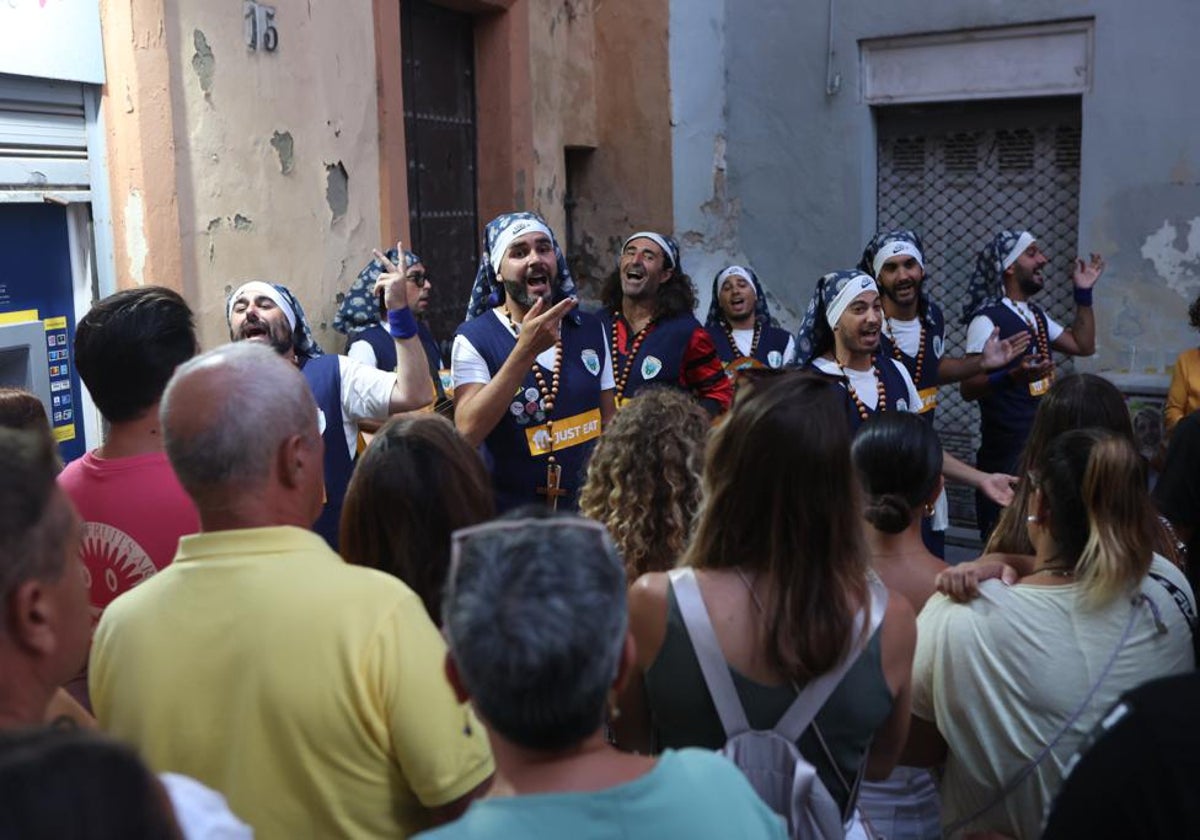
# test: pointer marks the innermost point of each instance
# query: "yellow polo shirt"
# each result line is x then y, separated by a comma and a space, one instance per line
308, 691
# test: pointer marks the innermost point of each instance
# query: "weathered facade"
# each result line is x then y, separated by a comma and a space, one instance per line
777, 155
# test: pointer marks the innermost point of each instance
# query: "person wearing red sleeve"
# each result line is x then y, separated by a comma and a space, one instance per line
648, 306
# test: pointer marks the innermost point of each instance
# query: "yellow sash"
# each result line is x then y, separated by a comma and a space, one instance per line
568, 432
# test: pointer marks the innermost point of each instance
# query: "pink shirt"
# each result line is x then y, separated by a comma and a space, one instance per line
134, 513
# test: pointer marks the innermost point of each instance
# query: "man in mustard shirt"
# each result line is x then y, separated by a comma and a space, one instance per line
307, 691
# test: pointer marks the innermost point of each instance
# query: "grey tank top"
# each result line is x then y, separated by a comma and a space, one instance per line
683, 713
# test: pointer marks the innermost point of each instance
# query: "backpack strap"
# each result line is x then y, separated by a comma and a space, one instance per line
810, 700
708, 651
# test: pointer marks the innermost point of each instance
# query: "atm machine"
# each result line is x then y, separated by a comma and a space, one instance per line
37, 314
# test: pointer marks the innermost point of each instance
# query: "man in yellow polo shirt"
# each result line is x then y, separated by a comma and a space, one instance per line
307, 691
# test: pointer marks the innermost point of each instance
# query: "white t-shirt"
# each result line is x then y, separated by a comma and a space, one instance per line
864, 383
907, 336
467, 366
362, 351
981, 326
744, 342
366, 395
1002, 674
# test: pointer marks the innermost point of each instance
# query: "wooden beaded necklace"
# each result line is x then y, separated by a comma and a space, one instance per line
549, 395
898, 354
881, 402
733, 344
1039, 335
623, 373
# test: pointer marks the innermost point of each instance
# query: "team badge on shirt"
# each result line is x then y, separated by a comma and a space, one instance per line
651, 366
938, 346
591, 361
775, 359
902, 404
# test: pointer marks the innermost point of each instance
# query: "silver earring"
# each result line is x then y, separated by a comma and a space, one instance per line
1031, 518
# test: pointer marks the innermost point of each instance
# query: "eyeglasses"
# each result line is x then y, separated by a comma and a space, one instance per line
420, 279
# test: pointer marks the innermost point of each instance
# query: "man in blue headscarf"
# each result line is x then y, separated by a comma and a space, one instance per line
368, 339
533, 380
914, 329
740, 324
346, 391
656, 339
1008, 272
839, 337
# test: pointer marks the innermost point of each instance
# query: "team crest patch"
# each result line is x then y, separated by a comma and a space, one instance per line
591, 361
651, 366
775, 359
938, 346
902, 404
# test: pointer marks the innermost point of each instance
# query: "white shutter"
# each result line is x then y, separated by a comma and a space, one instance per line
43, 136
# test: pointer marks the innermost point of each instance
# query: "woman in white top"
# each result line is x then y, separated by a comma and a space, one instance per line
1012, 682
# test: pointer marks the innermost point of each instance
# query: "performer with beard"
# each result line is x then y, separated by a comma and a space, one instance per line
914, 330
840, 336
347, 392
1008, 272
656, 339
533, 380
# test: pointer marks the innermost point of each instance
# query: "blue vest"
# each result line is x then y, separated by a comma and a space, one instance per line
384, 346
770, 340
325, 381
935, 333
1006, 415
517, 472
895, 389
660, 357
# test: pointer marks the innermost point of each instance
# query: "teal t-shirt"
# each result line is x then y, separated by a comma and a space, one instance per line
690, 793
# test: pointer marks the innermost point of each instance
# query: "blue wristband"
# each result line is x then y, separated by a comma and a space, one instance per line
401, 323
997, 379
1083, 297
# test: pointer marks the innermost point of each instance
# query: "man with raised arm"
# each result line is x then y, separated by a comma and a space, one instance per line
346, 391
1008, 273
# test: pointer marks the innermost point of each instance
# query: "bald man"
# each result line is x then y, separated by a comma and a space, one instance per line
308, 691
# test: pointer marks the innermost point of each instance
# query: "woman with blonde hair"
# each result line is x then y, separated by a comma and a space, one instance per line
643, 482
779, 567
1010, 683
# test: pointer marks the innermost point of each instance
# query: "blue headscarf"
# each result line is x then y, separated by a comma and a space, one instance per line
987, 282
816, 334
667, 243
360, 306
762, 311
488, 291
303, 342
901, 241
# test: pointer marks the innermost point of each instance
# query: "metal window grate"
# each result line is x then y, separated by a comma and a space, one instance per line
983, 167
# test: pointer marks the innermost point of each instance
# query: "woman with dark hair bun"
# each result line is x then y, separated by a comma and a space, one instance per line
898, 458
899, 461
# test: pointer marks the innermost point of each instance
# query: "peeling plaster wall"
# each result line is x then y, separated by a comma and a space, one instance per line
277, 155
600, 85
793, 191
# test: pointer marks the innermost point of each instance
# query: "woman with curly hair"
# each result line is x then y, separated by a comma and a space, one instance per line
1183, 396
643, 481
